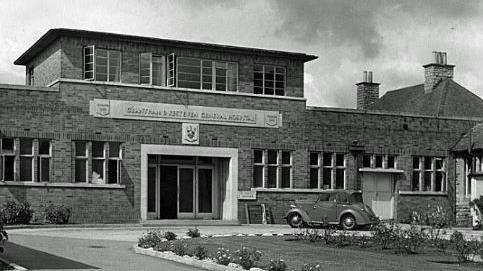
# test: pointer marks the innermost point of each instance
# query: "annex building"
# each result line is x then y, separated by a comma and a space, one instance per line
124, 128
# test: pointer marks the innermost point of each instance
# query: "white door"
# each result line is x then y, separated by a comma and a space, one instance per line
377, 192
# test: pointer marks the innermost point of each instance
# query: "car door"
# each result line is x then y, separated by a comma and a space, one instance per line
325, 209
342, 200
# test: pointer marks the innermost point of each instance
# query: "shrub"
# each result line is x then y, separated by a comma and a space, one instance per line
463, 248
223, 256
433, 215
246, 257
384, 234
278, 265
57, 214
170, 236
200, 252
16, 213
151, 239
179, 248
163, 246
312, 235
410, 240
312, 267
342, 239
362, 241
193, 233
3, 238
328, 236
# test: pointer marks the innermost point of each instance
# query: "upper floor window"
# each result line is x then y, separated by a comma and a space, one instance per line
152, 69
327, 170
269, 80
102, 64
206, 74
429, 174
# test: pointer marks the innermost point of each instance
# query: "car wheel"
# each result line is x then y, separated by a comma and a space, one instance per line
348, 222
295, 220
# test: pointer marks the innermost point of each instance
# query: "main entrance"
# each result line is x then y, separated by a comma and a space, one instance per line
182, 187
377, 192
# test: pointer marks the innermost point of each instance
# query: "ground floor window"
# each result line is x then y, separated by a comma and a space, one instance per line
379, 161
327, 170
272, 168
429, 174
97, 162
25, 159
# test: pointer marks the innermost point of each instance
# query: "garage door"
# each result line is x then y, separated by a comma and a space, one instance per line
378, 194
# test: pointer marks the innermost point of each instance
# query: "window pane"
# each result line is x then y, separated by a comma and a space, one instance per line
43, 166
285, 182
97, 171
232, 77
339, 178
272, 157
440, 184
314, 158
339, 159
327, 159
366, 161
44, 147
416, 162
257, 156
7, 144
415, 182
80, 148
26, 169
80, 170
427, 181
8, 168
101, 65
151, 189
427, 162
272, 177
113, 172
378, 161
114, 149
314, 178
97, 149
391, 161
439, 163
144, 68
326, 178
158, 71
26, 146
257, 176
286, 157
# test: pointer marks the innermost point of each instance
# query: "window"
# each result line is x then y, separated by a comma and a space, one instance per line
151, 69
7, 159
327, 170
272, 168
269, 80
102, 64
32, 155
379, 161
30, 76
43, 161
171, 70
105, 158
206, 74
429, 174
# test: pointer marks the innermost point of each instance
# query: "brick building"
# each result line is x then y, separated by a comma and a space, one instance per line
124, 128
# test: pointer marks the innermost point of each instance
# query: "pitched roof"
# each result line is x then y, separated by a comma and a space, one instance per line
55, 33
473, 137
447, 99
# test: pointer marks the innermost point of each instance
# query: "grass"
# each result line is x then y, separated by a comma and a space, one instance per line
296, 253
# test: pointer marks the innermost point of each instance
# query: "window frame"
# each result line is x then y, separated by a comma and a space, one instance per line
333, 167
89, 159
30, 156
9, 154
279, 165
422, 171
151, 70
385, 160
263, 66
94, 64
40, 158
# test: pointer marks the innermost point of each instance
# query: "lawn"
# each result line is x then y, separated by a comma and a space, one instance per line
296, 253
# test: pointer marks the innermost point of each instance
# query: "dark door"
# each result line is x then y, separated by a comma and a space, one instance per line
168, 187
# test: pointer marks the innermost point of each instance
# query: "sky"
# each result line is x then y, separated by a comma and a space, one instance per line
392, 38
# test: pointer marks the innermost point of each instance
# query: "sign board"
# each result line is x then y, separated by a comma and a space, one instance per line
247, 194
118, 109
190, 133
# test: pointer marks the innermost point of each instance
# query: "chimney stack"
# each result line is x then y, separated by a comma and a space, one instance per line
367, 91
434, 72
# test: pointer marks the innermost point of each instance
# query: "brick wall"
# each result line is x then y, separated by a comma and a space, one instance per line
46, 65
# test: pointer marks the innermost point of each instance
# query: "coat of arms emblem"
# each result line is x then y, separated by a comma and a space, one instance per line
103, 109
190, 133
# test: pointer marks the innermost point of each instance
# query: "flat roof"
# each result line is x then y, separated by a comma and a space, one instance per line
55, 33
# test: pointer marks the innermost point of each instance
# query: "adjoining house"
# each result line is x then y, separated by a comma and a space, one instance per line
125, 128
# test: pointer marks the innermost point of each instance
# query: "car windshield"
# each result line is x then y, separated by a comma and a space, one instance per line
356, 198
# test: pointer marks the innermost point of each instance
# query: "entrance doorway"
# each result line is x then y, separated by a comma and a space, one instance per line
181, 187
378, 193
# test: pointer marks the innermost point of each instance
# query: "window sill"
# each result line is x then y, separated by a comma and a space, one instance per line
65, 185
381, 170
423, 193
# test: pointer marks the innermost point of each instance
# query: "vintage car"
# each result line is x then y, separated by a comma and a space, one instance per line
334, 207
